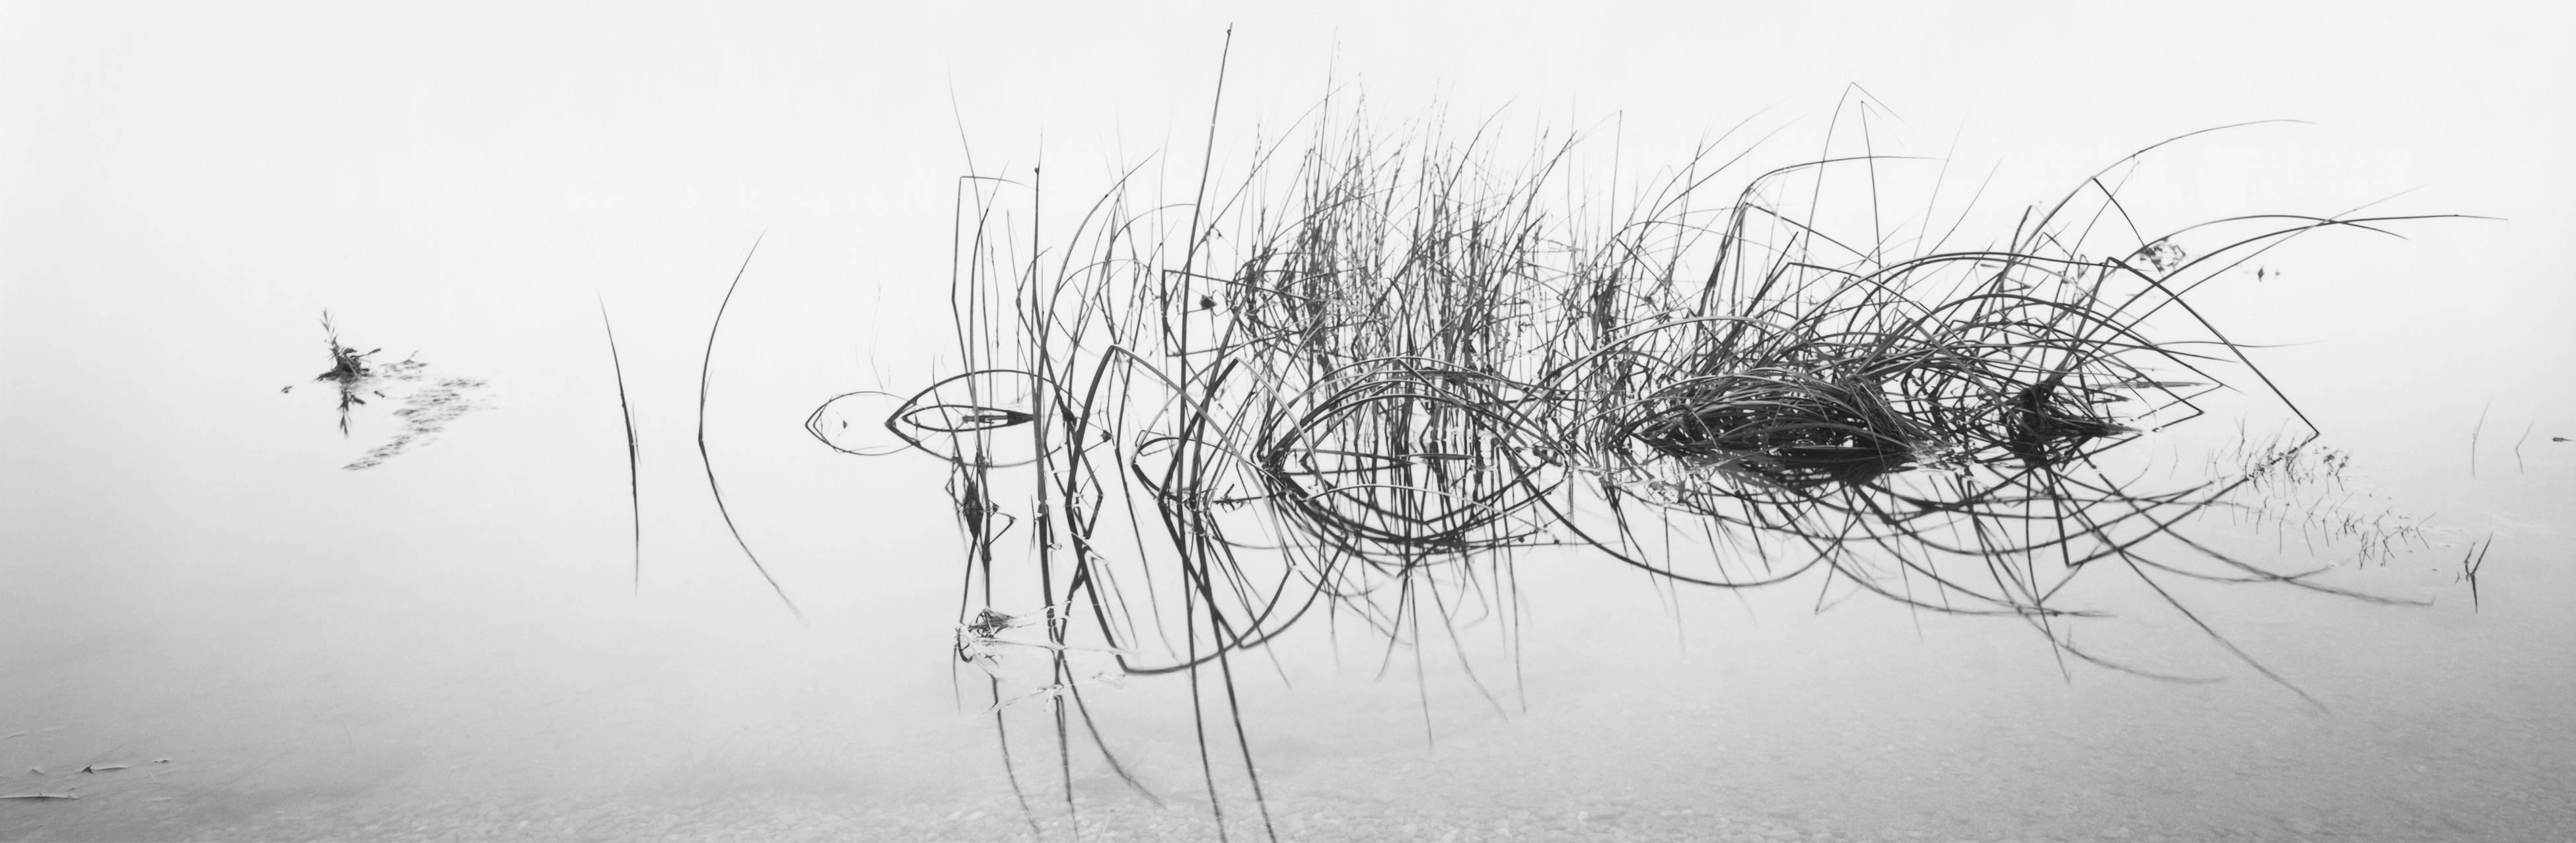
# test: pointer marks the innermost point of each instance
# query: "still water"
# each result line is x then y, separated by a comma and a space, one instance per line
210, 630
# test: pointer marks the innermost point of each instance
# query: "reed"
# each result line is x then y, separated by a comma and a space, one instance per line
1361, 379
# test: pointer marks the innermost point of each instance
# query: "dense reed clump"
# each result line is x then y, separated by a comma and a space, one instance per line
1364, 376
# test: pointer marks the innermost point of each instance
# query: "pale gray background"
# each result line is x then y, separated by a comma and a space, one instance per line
449, 641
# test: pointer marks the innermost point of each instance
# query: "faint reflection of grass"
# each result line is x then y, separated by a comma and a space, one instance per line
425, 413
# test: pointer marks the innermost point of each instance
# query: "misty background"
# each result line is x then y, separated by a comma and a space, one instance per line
459, 635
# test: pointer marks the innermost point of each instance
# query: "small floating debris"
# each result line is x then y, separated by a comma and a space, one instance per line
429, 403
2164, 255
39, 795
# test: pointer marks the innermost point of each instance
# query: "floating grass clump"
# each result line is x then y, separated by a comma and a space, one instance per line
1361, 379
349, 371
428, 407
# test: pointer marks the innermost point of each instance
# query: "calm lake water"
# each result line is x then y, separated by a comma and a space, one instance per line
210, 631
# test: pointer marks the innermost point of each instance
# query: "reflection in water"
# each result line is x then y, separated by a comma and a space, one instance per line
1407, 402
1186, 430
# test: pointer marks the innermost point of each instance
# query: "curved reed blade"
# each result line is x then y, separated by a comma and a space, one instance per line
1358, 384
706, 369
634, 456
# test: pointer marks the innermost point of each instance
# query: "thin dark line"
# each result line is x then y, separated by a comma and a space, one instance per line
634, 482
2473, 437
2517, 444
705, 367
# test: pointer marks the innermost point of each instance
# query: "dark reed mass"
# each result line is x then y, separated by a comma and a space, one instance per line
1361, 379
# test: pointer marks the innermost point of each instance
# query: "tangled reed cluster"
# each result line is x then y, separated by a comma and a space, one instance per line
1363, 378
